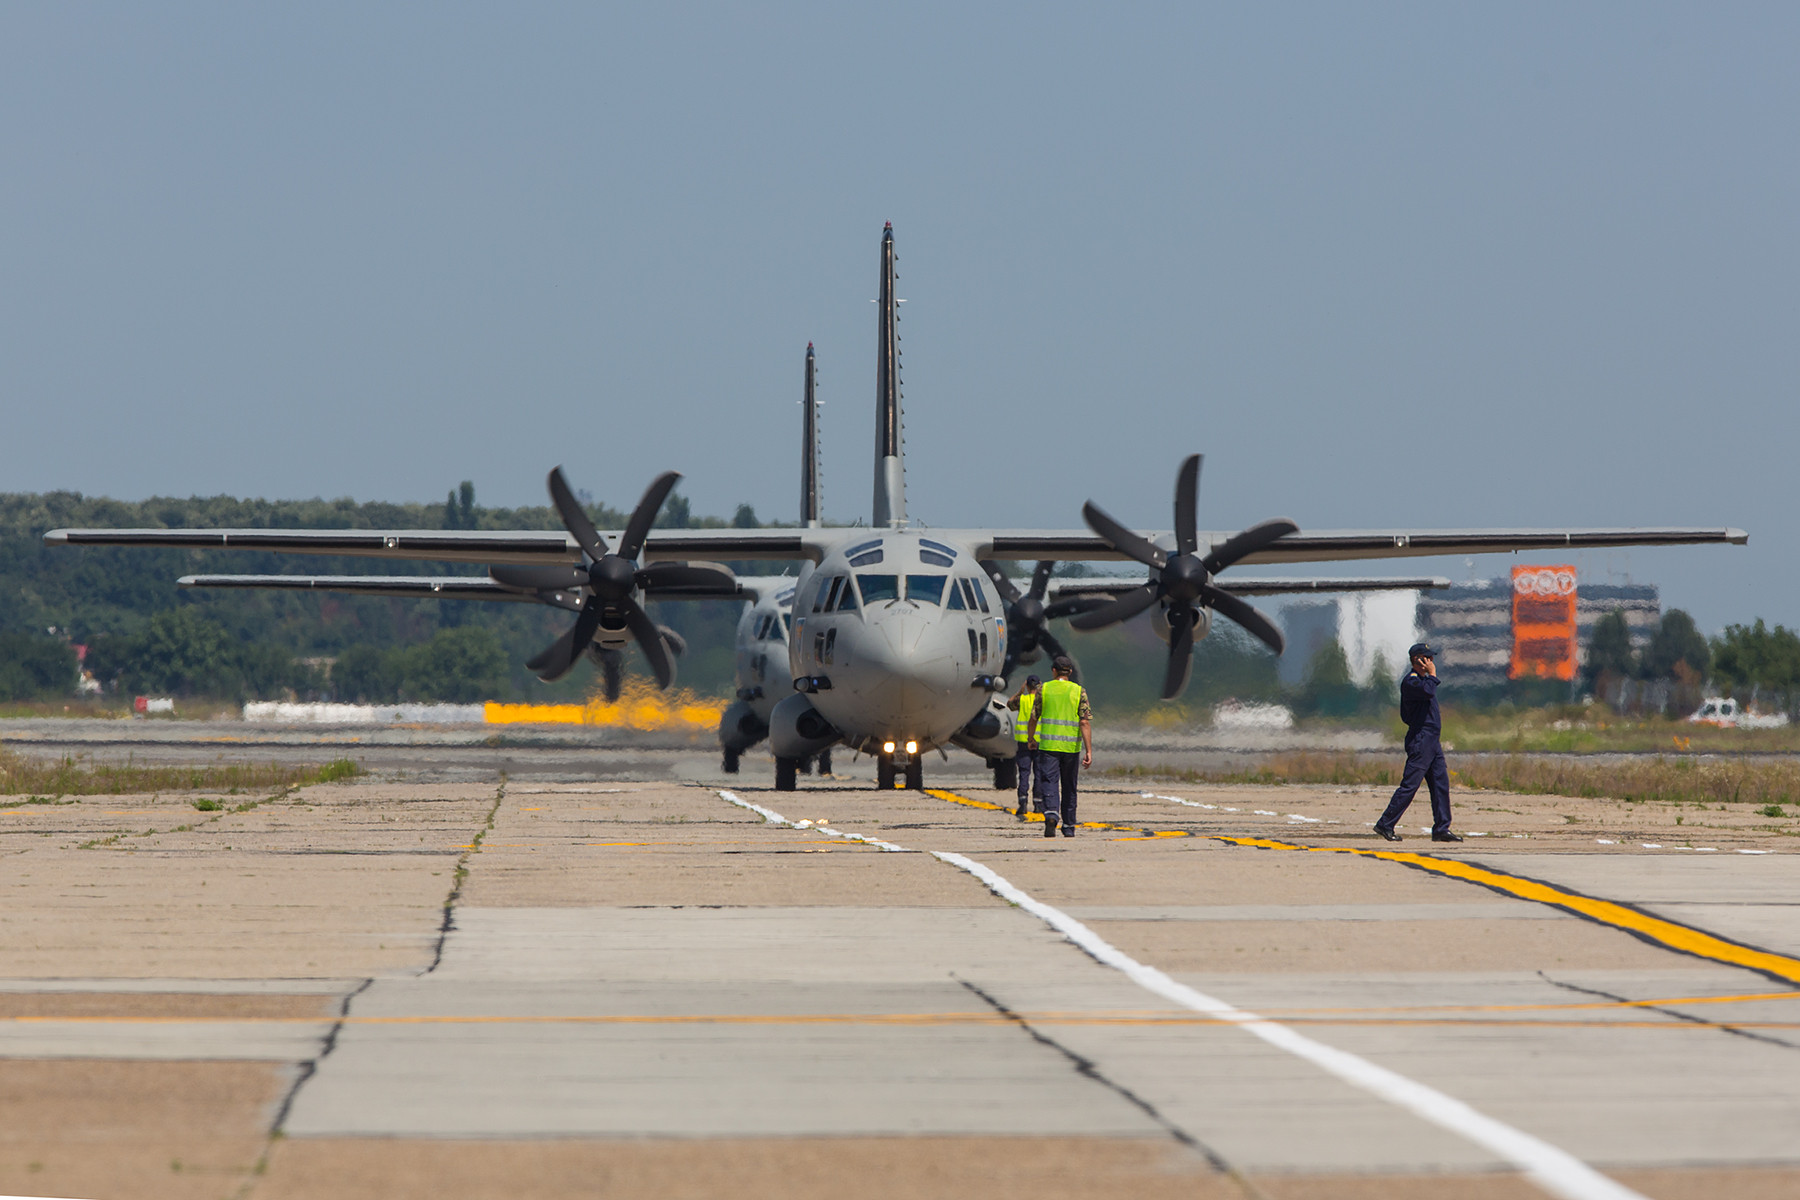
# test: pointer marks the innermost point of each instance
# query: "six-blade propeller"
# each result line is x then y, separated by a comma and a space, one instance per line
1028, 617
610, 579
1183, 580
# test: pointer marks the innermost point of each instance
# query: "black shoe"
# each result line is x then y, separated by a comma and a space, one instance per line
1068, 831
1446, 836
1020, 811
1386, 833
1050, 826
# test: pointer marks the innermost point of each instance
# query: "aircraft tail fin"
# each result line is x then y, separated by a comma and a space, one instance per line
811, 494
890, 438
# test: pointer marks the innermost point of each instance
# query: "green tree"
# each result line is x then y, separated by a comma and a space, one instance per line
365, 674
34, 665
745, 518
1329, 690
460, 666
1677, 640
1752, 658
459, 507
1609, 649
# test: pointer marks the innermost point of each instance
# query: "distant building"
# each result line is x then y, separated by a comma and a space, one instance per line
1471, 624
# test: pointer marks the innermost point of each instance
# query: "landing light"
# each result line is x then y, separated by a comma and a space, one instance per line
887, 747
912, 747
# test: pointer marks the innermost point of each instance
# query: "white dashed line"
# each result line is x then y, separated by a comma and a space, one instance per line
1555, 1170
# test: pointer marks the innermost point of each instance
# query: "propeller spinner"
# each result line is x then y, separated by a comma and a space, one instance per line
1183, 582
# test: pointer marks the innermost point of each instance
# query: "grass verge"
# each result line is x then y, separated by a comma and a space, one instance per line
1675, 780
71, 776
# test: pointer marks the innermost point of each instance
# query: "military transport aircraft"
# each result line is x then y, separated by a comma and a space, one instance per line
898, 637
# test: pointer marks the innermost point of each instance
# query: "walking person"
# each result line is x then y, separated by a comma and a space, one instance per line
1424, 749
1061, 730
1025, 760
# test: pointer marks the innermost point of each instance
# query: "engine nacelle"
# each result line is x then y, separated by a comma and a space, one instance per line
990, 734
740, 728
798, 730
1159, 621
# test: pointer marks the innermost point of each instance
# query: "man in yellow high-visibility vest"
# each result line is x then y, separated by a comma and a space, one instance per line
1061, 730
1025, 760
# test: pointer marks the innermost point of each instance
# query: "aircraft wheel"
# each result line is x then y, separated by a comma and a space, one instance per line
884, 773
915, 775
1006, 775
825, 762
786, 770
731, 762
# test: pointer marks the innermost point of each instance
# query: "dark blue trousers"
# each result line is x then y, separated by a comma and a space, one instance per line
1424, 763
1057, 771
1026, 760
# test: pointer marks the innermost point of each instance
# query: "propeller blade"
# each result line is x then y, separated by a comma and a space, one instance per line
686, 575
563, 576
1120, 608
1055, 649
656, 651
574, 517
1074, 606
1122, 539
1008, 591
1248, 542
1181, 652
676, 643
1187, 505
1040, 579
644, 515
556, 659
1257, 625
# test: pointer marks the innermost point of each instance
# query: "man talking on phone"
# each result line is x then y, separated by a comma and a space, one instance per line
1424, 749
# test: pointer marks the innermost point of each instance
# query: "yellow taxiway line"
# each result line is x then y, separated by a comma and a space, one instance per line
1683, 939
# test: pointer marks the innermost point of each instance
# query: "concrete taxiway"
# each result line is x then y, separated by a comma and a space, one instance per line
643, 987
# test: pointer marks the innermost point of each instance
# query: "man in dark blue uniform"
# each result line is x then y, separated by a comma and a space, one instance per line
1424, 753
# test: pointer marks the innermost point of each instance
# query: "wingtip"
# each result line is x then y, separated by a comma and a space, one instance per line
57, 537
1737, 537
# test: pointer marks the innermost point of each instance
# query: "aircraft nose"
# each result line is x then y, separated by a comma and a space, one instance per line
916, 668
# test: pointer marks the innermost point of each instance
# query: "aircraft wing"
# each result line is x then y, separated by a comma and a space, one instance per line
1337, 545
454, 587
452, 545
1066, 589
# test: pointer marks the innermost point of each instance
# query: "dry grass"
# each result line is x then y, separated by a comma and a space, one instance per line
70, 776
1671, 779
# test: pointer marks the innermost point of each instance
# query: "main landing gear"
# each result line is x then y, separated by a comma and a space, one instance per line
788, 770
1006, 774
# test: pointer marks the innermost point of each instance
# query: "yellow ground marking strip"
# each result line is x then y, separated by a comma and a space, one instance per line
1682, 938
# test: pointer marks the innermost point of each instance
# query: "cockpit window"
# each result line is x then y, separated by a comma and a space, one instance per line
946, 551
932, 558
776, 632
867, 559
857, 549
846, 601
926, 589
876, 588
955, 601
831, 593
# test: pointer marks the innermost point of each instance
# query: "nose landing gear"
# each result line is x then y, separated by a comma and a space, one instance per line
894, 763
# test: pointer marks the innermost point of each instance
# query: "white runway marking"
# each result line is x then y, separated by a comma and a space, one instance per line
1555, 1170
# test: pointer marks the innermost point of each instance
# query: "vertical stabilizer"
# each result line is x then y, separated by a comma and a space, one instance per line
890, 439
811, 496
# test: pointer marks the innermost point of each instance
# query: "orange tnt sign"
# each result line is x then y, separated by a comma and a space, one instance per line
1543, 623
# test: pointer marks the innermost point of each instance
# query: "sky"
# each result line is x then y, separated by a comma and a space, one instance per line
1385, 265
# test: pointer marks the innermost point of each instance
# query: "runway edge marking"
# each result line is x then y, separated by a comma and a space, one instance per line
1550, 1167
